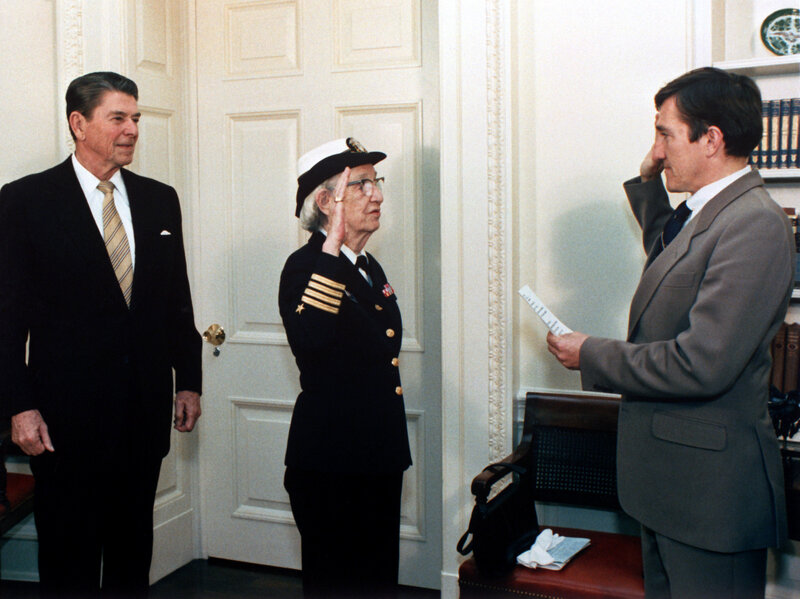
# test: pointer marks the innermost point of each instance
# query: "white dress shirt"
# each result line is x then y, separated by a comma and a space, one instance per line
704, 194
94, 197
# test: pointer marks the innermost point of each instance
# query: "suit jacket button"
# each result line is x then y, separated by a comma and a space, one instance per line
378, 307
398, 390
395, 362
390, 333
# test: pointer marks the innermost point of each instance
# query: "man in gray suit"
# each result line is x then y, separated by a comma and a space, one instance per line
698, 462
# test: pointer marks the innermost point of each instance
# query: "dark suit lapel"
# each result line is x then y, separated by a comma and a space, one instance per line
658, 269
72, 209
75, 218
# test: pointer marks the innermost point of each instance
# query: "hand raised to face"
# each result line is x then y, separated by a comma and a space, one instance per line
336, 220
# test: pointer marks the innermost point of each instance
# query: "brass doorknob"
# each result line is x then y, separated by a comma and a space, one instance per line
215, 335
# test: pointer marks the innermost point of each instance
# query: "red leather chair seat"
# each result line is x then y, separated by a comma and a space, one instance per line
19, 491
609, 568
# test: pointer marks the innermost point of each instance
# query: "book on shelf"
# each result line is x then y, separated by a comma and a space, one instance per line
780, 138
783, 144
758, 156
774, 132
794, 128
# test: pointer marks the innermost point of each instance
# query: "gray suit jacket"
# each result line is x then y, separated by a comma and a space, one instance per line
697, 457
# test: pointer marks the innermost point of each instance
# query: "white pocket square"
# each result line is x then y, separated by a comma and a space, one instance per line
165, 232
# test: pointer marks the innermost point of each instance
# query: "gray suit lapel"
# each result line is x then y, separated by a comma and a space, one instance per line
656, 271
664, 262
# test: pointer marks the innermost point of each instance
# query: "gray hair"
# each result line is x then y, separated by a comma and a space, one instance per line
311, 218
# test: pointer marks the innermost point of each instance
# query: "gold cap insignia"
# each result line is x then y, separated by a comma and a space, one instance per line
355, 145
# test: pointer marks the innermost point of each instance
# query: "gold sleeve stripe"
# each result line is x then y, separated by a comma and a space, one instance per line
322, 297
324, 289
327, 281
320, 305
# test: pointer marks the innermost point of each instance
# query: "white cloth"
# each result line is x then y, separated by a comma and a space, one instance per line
538, 554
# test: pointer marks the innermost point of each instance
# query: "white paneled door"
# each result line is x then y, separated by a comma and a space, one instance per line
153, 56
274, 79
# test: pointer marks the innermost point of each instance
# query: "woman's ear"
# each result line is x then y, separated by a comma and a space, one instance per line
324, 201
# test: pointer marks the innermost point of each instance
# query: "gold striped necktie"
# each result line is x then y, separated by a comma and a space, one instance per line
116, 241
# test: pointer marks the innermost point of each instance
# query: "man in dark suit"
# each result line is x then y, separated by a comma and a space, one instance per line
348, 444
698, 461
94, 278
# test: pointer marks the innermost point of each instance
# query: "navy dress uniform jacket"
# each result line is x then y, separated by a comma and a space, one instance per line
346, 338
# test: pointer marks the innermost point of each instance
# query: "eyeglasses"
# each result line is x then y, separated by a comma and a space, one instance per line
368, 186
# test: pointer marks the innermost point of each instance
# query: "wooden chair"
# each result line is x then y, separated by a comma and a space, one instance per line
16, 490
568, 449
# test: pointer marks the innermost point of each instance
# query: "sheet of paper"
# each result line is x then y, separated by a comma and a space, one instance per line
553, 323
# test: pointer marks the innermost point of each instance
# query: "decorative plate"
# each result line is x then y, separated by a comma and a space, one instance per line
780, 32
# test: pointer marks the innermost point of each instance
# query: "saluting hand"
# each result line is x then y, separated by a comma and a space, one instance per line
650, 167
336, 226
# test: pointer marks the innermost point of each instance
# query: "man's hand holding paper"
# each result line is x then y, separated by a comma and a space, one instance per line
567, 348
562, 342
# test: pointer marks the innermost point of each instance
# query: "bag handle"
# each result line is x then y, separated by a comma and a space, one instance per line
482, 486
462, 548
498, 470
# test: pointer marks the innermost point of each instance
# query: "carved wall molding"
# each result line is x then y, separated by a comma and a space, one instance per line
69, 31
497, 199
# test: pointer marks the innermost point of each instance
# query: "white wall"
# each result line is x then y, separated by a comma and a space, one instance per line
28, 132
587, 76
30, 112
586, 73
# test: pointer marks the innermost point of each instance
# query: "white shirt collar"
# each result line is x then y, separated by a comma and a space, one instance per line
89, 182
701, 197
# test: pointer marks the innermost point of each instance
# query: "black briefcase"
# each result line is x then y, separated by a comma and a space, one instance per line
503, 527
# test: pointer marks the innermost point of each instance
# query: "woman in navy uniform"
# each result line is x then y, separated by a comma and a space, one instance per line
348, 445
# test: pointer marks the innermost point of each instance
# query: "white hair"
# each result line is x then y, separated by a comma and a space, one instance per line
311, 218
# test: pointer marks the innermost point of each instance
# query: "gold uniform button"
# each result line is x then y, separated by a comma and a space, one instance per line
398, 390
378, 307
390, 333
395, 361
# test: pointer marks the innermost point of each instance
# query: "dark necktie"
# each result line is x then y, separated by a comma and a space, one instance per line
363, 264
675, 223
672, 227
